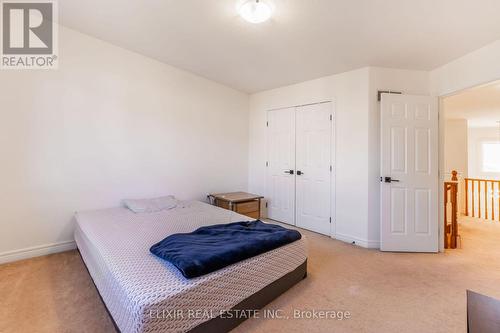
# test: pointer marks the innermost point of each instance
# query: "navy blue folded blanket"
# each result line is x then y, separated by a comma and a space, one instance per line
211, 248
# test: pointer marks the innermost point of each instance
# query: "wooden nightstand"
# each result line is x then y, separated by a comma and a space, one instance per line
241, 202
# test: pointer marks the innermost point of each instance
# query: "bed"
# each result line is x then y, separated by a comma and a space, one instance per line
143, 293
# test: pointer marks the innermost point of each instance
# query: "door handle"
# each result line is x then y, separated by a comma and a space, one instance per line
289, 172
299, 173
390, 180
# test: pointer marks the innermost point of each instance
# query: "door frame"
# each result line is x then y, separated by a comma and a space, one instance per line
441, 135
333, 148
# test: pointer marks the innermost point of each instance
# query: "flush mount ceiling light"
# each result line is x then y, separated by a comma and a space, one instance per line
255, 11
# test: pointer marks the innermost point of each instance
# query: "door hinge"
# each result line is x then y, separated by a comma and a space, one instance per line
266, 204
267, 124
267, 164
331, 169
330, 219
331, 117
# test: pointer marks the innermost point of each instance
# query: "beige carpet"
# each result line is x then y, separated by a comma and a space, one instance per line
384, 292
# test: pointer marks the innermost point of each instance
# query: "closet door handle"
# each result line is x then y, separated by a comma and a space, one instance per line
289, 172
299, 173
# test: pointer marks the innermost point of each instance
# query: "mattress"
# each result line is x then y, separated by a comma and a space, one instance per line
146, 294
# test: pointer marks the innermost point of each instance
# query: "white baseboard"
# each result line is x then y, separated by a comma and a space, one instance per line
369, 244
36, 251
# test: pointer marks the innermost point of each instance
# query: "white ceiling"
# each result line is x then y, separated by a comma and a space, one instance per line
480, 106
305, 39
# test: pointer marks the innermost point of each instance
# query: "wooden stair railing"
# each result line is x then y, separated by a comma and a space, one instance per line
482, 198
451, 196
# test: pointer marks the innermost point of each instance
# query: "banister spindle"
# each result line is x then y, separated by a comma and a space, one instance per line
479, 198
466, 197
472, 197
485, 199
492, 200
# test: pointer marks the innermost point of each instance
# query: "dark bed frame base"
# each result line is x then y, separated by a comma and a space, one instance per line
253, 302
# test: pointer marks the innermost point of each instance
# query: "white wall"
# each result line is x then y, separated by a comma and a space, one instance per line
478, 135
455, 146
456, 155
109, 124
478, 67
349, 91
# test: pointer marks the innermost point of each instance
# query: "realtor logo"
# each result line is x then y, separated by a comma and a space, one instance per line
29, 39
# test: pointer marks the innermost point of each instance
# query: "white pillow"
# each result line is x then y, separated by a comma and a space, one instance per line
150, 205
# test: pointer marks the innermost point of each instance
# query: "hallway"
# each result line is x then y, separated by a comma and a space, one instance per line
479, 238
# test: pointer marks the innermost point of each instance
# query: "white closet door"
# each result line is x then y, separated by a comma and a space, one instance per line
281, 165
313, 161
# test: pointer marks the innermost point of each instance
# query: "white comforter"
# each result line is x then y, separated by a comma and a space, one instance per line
146, 294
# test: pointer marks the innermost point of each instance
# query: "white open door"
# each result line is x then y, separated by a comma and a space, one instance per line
409, 170
280, 177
